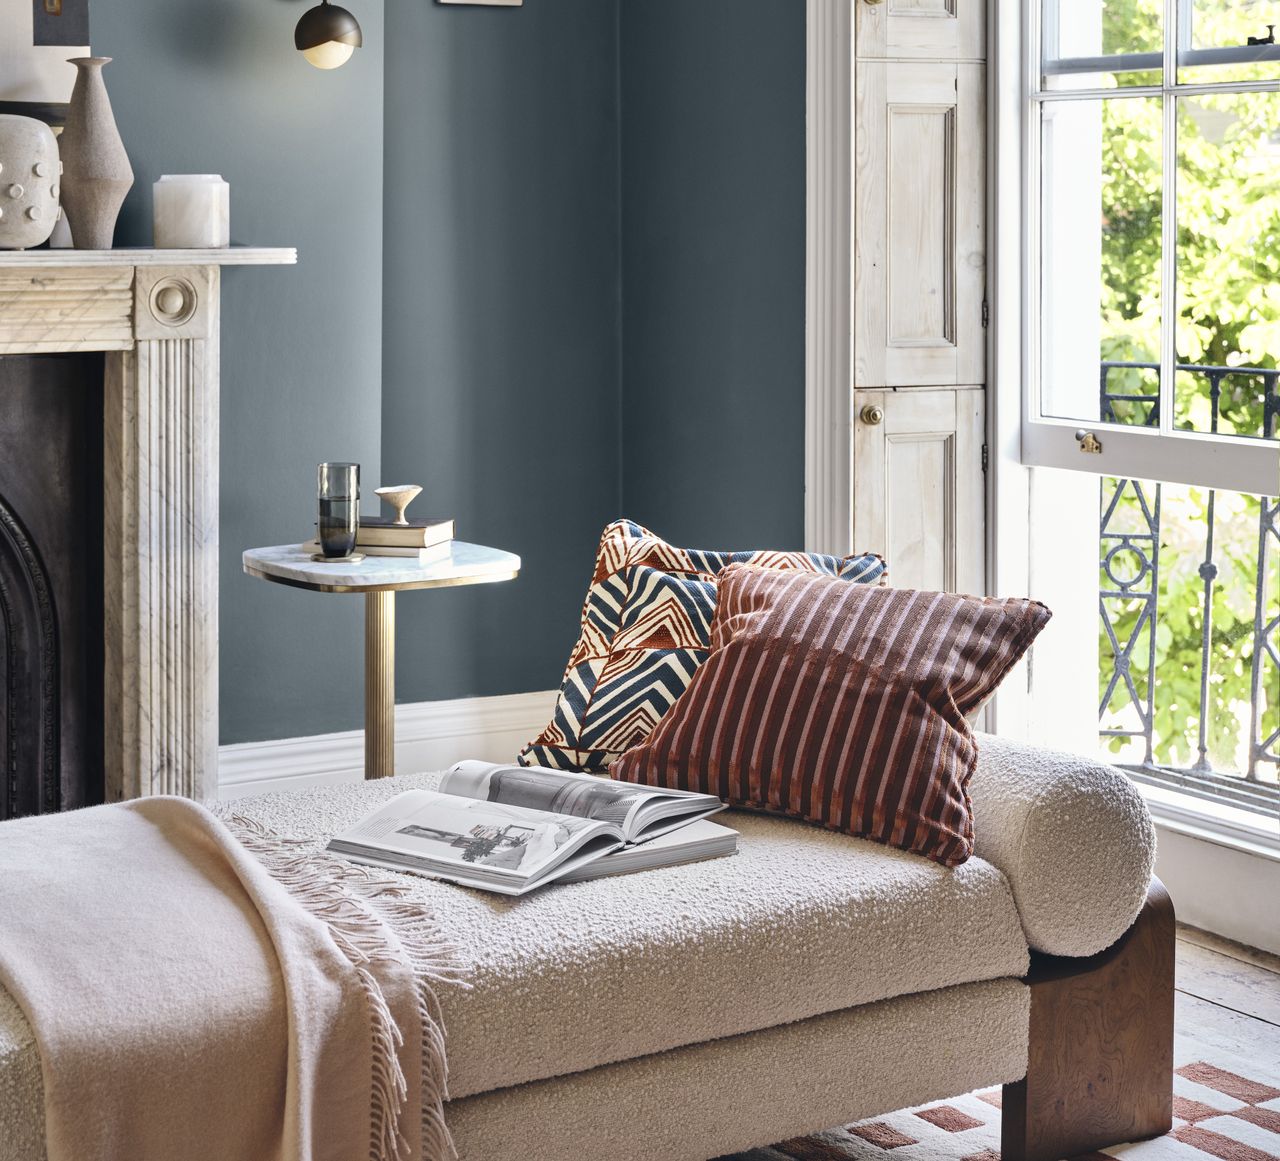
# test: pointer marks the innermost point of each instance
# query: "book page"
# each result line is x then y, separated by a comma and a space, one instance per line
443, 829
559, 792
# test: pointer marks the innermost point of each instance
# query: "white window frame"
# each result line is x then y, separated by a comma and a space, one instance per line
1166, 454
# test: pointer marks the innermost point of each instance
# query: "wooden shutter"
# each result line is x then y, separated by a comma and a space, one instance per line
932, 29
918, 486
919, 224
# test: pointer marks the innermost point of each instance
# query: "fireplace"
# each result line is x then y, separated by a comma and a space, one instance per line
109, 523
51, 595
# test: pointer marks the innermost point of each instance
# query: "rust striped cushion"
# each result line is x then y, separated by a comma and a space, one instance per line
840, 704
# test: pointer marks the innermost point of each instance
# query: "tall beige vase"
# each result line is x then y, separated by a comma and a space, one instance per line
96, 173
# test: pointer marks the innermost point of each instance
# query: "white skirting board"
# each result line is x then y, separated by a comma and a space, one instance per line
430, 735
1220, 887
1221, 865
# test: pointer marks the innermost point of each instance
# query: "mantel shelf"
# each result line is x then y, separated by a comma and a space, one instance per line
143, 256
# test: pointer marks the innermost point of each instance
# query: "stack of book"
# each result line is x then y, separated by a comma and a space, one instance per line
425, 541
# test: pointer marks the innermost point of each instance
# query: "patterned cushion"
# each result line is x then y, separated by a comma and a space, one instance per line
645, 627
842, 705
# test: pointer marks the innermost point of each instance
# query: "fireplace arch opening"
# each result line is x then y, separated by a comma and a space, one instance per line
29, 712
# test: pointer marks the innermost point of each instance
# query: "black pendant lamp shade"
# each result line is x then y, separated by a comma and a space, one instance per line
327, 35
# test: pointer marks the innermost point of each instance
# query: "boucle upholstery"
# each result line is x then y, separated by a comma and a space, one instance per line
799, 922
694, 1102
565, 979
1073, 838
709, 1099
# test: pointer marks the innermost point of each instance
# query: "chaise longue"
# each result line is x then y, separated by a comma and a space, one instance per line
813, 979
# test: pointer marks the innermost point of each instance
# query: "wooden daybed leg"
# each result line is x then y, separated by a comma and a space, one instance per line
1100, 1059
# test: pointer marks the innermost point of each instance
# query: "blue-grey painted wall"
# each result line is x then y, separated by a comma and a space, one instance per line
217, 87
552, 268
501, 336
713, 221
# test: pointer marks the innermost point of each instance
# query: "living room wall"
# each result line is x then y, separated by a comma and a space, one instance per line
501, 327
594, 292
713, 242
588, 303
200, 88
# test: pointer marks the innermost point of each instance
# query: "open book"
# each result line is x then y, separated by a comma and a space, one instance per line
513, 828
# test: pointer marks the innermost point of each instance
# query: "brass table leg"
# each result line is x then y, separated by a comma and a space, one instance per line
379, 684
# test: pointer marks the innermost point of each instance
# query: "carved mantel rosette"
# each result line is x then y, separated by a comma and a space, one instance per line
156, 313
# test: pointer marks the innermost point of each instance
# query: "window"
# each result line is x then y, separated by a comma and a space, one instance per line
1152, 352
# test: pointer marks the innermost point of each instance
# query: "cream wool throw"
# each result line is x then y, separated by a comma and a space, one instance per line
193, 1000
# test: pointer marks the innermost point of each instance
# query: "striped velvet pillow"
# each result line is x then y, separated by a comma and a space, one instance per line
840, 704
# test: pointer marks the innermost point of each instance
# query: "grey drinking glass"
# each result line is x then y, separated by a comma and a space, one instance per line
338, 489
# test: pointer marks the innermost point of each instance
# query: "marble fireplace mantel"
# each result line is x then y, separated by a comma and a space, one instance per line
155, 313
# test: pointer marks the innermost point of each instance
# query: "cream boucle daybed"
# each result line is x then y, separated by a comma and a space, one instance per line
695, 1011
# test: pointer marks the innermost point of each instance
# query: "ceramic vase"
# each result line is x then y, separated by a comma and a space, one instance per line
28, 182
96, 173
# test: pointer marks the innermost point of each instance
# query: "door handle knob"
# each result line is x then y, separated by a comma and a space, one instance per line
872, 414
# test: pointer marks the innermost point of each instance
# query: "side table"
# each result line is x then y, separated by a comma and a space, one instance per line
380, 578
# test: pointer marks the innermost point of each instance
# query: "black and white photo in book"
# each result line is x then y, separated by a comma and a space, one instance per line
511, 828
643, 812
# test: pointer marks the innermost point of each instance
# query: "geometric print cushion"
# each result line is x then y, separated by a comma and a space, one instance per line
646, 626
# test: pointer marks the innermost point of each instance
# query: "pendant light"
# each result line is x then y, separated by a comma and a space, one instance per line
327, 35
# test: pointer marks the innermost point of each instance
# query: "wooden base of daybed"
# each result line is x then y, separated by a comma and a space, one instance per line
1100, 1059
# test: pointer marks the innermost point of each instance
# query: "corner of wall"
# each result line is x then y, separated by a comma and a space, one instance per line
620, 386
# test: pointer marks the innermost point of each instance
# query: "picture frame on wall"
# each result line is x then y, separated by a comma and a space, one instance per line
60, 22
37, 37
489, 3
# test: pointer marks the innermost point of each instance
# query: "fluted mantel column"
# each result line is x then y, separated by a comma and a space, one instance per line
156, 313
161, 537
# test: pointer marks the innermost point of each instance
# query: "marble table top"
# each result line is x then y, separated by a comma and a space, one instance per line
467, 564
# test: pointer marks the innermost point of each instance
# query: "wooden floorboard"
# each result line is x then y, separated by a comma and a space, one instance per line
1231, 983
1229, 948
1198, 1023
1228, 996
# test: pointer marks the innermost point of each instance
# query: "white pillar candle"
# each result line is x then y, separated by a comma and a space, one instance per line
192, 212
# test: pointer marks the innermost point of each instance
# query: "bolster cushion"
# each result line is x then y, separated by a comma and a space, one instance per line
1072, 836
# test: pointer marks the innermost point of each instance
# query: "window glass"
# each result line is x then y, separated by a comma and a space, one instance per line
1215, 46
1228, 263
1101, 198
1190, 593
1189, 576
1102, 43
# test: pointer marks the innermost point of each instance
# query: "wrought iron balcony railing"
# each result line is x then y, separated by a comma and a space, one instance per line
1130, 597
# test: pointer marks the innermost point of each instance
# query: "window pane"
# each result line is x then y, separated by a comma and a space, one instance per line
1228, 330
1102, 43
1100, 257
1215, 47
1190, 593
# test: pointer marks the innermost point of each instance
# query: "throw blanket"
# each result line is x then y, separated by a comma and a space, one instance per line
192, 999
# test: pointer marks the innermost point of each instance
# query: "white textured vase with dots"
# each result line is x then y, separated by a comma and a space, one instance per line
29, 176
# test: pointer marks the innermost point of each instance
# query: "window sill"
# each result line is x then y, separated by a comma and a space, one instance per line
1248, 831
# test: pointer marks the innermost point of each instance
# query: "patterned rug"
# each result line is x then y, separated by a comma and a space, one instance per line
1232, 1114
